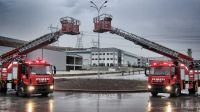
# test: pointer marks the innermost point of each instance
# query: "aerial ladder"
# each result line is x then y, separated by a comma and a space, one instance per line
181, 73
69, 26
23, 76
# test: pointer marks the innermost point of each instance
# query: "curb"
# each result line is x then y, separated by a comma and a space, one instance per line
103, 91
83, 74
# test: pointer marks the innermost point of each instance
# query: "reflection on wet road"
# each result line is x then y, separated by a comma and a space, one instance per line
185, 103
89, 102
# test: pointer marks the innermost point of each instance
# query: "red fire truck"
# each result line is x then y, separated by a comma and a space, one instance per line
27, 76
180, 73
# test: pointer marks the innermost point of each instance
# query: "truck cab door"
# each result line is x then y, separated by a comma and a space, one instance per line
24, 70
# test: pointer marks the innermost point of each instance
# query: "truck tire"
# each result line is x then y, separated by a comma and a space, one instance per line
194, 89
3, 88
20, 92
191, 91
176, 91
154, 93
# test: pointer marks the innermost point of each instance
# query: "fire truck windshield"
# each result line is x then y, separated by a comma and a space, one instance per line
40, 69
160, 70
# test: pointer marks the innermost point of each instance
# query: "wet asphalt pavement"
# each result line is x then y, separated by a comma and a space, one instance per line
91, 102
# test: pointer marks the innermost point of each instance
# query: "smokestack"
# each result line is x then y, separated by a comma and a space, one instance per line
189, 52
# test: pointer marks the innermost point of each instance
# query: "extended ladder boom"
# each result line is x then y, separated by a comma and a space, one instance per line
69, 26
152, 46
102, 23
31, 46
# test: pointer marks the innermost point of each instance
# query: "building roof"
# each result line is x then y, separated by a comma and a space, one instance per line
112, 49
73, 55
10, 42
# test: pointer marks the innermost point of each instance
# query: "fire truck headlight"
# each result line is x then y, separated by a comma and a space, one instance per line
168, 88
149, 86
51, 87
31, 88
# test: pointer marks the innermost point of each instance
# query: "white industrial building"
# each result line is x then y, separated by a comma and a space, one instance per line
112, 57
75, 59
108, 57
143, 61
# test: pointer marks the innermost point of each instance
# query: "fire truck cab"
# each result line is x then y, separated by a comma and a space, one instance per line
28, 77
170, 77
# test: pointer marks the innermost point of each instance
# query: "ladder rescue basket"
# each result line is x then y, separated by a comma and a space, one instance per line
102, 23
70, 25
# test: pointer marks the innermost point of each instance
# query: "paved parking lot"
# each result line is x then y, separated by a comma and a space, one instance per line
91, 102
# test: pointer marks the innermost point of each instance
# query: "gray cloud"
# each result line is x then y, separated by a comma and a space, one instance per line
5, 6
173, 20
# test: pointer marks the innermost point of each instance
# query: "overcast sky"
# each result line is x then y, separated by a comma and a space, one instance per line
172, 23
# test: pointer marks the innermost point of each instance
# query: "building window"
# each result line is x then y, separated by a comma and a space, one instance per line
104, 53
92, 58
95, 58
101, 64
107, 58
111, 64
92, 53
103, 58
96, 54
107, 64
111, 58
111, 53
107, 53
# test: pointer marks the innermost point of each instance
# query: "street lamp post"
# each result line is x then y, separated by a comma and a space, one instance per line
98, 11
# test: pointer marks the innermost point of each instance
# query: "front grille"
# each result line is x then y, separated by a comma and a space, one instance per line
42, 82
42, 88
158, 87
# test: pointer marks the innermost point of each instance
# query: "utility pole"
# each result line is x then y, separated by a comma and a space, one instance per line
98, 11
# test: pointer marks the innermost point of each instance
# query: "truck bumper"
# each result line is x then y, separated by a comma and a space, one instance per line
159, 89
39, 89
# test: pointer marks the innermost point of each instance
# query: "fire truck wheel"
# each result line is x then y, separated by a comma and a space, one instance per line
176, 91
3, 88
20, 91
191, 91
154, 93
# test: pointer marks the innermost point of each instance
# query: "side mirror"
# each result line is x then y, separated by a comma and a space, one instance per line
54, 70
146, 71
